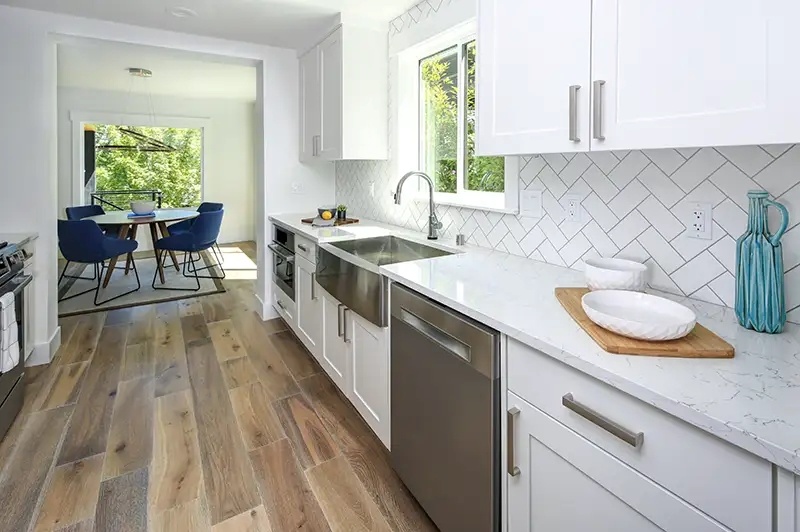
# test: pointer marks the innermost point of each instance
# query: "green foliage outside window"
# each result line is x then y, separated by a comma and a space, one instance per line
439, 75
176, 174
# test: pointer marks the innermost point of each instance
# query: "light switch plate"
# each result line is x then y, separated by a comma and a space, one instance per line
530, 203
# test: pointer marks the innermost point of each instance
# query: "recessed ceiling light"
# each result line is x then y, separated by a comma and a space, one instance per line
181, 12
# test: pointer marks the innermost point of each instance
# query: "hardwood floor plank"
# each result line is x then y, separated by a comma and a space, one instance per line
214, 308
294, 355
142, 324
72, 494
68, 326
269, 366
130, 440
84, 339
63, 388
191, 516
88, 430
257, 420
139, 361
167, 309
226, 340
171, 372
120, 316
343, 499
311, 440
228, 476
194, 329
25, 472
254, 520
366, 455
190, 307
176, 476
287, 497
122, 504
274, 326
238, 372
83, 526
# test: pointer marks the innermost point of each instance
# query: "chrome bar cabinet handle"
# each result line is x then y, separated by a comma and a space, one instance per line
313, 282
302, 248
280, 304
344, 319
339, 328
597, 110
512, 415
573, 113
634, 439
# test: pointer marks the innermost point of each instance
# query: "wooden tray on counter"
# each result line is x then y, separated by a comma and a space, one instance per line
346, 221
700, 343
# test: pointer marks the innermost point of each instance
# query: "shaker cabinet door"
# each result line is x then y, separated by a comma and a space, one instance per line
309, 106
309, 307
335, 355
533, 76
680, 74
330, 75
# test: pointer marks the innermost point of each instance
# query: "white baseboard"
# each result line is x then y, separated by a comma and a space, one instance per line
267, 311
43, 353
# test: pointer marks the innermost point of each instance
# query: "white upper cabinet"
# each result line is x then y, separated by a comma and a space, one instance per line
533, 76
688, 73
344, 96
651, 74
309, 105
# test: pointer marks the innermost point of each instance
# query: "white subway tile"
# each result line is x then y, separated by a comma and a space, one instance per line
725, 252
749, 159
574, 249
576, 167
662, 186
661, 251
600, 240
668, 160
599, 211
702, 164
661, 218
629, 168
734, 183
781, 175
628, 198
601, 184
628, 229
605, 160
699, 271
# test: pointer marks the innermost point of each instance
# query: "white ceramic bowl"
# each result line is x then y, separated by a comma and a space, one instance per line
143, 207
638, 315
615, 274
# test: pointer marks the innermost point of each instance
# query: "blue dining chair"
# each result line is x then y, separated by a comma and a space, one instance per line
84, 211
184, 225
201, 236
83, 241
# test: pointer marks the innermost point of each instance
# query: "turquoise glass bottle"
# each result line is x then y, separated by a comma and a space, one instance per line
760, 303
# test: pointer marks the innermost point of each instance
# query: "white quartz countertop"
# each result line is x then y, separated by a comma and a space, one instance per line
18, 238
752, 400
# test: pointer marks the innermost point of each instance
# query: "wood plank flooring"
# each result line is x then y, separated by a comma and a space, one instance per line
193, 416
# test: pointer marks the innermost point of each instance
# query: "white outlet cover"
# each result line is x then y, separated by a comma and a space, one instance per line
575, 199
530, 203
701, 221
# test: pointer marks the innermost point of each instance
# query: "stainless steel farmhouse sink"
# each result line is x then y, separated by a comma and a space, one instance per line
384, 250
363, 290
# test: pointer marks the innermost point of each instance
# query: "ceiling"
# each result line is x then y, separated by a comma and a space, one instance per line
103, 66
284, 23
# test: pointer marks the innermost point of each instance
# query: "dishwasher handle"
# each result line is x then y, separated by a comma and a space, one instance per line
435, 334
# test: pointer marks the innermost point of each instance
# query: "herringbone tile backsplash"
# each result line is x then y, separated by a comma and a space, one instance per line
636, 204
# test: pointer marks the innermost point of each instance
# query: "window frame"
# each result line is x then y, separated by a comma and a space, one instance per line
410, 154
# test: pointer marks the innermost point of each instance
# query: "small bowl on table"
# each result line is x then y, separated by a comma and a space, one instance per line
327, 213
615, 274
141, 208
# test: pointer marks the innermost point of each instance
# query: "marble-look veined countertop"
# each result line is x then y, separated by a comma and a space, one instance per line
752, 400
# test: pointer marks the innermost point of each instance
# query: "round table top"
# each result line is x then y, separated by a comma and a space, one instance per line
161, 215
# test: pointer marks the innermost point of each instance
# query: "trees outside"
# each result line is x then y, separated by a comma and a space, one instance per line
440, 90
176, 174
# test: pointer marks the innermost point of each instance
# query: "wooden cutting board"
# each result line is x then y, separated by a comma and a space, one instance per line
347, 221
700, 343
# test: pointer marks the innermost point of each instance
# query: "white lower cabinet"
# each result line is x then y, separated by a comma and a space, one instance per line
308, 307
787, 502
284, 305
355, 355
566, 483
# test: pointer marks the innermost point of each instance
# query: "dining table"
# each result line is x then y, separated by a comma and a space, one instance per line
128, 228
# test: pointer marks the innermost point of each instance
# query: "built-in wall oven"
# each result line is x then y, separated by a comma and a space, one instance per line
282, 248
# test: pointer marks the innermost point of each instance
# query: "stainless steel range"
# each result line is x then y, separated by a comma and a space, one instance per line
13, 280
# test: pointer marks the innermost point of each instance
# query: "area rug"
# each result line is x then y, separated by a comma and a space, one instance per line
120, 283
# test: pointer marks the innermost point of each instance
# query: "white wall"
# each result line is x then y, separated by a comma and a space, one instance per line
28, 148
228, 145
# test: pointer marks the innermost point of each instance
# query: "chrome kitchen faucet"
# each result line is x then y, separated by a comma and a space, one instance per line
433, 222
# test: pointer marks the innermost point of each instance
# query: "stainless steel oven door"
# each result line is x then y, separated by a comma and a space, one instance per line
283, 269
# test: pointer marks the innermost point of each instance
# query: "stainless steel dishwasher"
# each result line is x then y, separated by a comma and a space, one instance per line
446, 412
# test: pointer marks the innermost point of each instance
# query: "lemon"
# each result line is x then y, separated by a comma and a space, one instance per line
326, 215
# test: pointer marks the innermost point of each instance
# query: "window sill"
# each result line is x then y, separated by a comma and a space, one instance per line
453, 201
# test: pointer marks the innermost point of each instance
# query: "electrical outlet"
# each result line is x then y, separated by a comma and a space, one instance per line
572, 207
530, 203
297, 188
701, 221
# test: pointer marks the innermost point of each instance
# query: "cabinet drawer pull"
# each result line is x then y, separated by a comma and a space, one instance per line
512, 414
313, 282
280, 304
339, 327
344, 319
573, 113
302, 248
634, 439
597, 110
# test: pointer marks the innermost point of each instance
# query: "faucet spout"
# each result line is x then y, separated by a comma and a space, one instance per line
433, 222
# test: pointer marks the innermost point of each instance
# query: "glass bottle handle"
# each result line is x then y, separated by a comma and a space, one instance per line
776, 238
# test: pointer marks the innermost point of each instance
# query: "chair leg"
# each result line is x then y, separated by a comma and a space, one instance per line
97, 290
63, 276
185, 269
217, 265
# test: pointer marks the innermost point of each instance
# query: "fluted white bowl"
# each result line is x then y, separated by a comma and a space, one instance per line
638, 315
143, 207
615, 274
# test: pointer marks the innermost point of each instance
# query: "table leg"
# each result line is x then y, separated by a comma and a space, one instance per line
154, 238
165, 233
134, 229
112, 262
